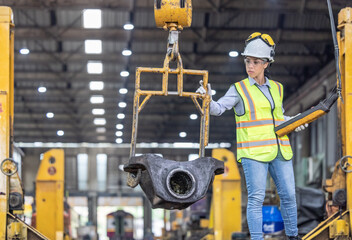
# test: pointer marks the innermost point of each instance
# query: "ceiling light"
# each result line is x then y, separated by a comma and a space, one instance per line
97, 99
123, 91
119, 126
60, 133
92, 18
101, 138
127, 52
213, 92
49, 115
120, 116
24, 51
124, 74
99, 121
93, 46
118, 140
96, 85
119, 134
94, 67
128, 26
101, 130
42, 89
98, 111
233, 54
193, 116
183, 134
122, 104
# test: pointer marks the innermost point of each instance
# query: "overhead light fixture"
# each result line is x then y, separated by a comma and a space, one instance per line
119, 140
49, 115
98, 111
60, 133
92, 18
95, 67
213, 92
99, 121
120, 116
119, 126
233, 54
128, 26
101, 130
119, 133
101, 138
24, 51
193, 116
96, 85
123, 91
93, 46
127, 52
122, 104
96, 99
183, 134
42, 89
124, 74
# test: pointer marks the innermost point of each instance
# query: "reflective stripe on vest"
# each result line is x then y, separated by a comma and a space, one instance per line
258, 123
249, 100
261, 143
256, 138
278, 85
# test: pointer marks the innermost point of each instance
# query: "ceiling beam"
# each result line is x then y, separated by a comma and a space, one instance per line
111, 77
153, 58
143, 34
200, 5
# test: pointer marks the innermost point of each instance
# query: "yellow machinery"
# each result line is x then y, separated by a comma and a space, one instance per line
339, 187
226, 210
11, 194
50, 195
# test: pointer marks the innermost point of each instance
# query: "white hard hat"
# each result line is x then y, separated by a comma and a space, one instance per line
260, 46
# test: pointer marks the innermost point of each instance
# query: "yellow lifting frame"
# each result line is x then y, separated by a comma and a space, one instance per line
203, 110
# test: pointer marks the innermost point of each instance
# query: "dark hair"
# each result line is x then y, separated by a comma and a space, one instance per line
267, 73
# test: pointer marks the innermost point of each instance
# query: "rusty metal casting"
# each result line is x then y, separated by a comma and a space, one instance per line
171, 184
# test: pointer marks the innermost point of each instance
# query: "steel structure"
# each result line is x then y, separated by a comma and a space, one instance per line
54, 33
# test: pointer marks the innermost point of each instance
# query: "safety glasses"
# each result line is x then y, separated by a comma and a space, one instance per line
265, 37
255, 62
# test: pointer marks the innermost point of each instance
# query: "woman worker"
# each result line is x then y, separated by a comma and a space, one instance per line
257, 102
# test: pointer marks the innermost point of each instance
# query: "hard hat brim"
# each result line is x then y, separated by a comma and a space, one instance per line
257, 56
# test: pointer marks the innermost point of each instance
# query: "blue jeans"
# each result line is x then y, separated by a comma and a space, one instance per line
282, 173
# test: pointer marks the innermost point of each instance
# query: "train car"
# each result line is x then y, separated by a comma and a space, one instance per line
120, 225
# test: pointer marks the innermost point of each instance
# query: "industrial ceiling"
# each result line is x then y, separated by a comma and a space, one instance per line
53, 32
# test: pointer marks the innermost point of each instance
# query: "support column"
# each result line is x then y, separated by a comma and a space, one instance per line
345, 44
6, 108
93, 208
147, 215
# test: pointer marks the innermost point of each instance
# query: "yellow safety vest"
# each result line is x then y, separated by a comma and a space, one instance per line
256, 138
